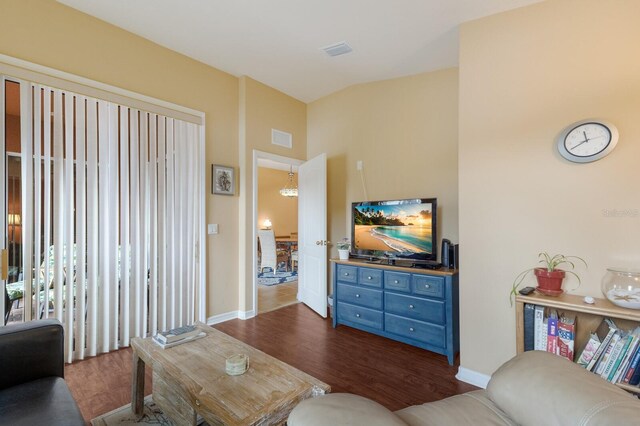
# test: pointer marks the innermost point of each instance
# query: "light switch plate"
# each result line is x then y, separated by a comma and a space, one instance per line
212, 228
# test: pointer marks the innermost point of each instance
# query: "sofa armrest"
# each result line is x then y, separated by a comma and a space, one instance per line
539, 388
31, 351
342, 409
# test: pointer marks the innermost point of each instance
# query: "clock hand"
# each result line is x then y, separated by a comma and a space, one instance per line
586, 139
574, 147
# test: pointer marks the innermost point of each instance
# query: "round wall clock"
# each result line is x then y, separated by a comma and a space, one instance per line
587, 140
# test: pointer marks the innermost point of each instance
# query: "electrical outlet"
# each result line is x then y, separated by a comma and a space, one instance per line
359, 165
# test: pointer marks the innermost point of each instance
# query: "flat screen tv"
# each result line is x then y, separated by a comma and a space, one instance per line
398, 229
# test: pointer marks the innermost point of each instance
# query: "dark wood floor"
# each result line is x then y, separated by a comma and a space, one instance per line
391, 373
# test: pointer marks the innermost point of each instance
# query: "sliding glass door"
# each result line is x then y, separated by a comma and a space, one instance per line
102, 216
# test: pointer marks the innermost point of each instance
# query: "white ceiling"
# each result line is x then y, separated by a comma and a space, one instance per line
278, 42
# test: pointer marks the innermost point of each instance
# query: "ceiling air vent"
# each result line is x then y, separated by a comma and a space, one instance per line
338, 49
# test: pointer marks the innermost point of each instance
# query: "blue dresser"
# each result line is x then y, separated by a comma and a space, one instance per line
414, 306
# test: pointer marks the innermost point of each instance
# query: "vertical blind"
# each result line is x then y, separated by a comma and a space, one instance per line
111, 218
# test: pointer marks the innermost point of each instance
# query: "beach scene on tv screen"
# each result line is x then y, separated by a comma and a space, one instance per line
401, 228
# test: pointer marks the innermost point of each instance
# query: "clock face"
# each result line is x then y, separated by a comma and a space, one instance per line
587, 141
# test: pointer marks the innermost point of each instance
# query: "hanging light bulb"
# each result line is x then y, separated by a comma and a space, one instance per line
290, 189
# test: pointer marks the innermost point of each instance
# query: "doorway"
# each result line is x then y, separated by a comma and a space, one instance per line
276, 224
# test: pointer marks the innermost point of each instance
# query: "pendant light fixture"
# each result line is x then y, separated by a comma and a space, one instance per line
290, 189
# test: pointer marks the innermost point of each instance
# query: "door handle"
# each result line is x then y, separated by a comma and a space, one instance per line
322, 242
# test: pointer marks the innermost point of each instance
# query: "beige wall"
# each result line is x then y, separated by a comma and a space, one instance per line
50, 34
281, 211
262, 109
404, 130
524, 76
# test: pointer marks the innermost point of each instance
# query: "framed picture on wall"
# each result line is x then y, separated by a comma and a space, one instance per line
223, 180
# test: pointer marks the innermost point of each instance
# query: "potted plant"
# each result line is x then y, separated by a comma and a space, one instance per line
343, 248
550, 276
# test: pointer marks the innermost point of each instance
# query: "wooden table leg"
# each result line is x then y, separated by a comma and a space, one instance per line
137, 385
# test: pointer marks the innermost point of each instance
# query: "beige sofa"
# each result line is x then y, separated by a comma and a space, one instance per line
534, 388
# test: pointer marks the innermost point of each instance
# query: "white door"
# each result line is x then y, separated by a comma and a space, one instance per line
312, 241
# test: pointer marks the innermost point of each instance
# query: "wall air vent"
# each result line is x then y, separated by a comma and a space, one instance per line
338, 49
280, 138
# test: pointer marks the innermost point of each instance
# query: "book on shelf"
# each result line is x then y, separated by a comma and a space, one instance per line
589, 350
540, 329
605, 332
179, 342
616, 349
622, 353
633, 365
634, 380
552, 332
603, 362
529, 330
626, 360
566, 336
176, 334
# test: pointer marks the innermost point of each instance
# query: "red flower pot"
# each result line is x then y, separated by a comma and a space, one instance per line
549, 283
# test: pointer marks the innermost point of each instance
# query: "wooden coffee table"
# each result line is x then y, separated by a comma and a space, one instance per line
190, 380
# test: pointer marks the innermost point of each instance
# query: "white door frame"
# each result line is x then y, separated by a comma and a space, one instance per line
254, 229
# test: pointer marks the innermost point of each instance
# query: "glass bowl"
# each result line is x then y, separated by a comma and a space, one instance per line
622, 287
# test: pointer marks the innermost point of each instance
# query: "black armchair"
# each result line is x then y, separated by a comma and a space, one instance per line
32, 386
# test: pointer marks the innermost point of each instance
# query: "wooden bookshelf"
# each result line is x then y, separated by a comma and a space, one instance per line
588, 318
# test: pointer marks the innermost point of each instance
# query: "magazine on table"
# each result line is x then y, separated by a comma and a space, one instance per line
178, 342
178, 333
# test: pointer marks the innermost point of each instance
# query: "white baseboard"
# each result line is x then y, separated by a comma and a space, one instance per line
473, 377
216, 319
244, 315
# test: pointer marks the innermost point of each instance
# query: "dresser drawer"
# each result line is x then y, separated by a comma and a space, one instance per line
415, 307
370, 277
360, 296
428, 286
417, 330
397, 281
360, 315
347, 274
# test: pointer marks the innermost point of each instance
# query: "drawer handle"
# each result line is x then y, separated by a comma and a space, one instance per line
427, 286
411, 306
396, 282
411, 329
369, 277
357, 296
357, 315
346, 274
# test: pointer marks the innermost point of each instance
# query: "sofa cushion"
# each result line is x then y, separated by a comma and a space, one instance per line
472, 408
538, 388
342, 409
43, 401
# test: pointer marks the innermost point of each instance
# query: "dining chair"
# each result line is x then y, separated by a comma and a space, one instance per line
269, 251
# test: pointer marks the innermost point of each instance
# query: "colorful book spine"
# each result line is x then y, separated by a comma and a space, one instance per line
566, 336
635, 378
606, 330
589, 350
624, 347
606, 357
529, 330
540, 340
626, 362
633, 366
552, 332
